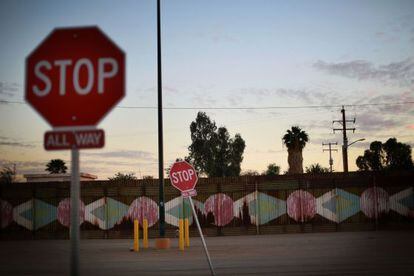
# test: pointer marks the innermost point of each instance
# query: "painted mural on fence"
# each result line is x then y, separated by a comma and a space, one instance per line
336, 205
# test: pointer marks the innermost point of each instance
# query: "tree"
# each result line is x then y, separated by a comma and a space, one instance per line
167, 170
123, 177
272, 169
391, 155
295, 140
6, 175
316, 168
250, 173
56, 166
398, 155
212, 151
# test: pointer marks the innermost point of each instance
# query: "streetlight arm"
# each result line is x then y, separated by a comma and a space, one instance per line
359, 140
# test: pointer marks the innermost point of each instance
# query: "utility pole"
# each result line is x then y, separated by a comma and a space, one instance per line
345, 143
330, 149
160, 128
14, 172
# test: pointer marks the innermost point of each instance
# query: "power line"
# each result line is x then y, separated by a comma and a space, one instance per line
246, 107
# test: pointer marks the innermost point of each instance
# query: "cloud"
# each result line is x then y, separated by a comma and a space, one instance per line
303, 95
203, 99
404, 97
16, 144
369, 121
297, 97
9, 89
320, 124
399, 104
25, 167
117, 163
8, 142
125, 154
400, 73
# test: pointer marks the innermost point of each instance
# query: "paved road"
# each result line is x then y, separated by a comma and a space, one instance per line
345, 253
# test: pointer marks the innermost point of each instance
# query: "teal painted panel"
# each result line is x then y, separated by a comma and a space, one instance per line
348, 204
45, 213
181, 211
269, 208
115, 211
28, 214
408, 201
100, 212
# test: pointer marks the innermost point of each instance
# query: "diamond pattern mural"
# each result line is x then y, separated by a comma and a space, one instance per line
22, 214
338, 205
106, 212
179, 208
45, 213
34, 214
262, 208
257, 208
403, 202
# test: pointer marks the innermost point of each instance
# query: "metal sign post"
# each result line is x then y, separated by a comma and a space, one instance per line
184, 177
202, 237
47, 68
74, 214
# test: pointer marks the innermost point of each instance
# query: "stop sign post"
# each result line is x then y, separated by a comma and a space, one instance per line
74, 77
184, 177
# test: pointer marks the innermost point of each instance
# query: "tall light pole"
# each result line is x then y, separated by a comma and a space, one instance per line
160, 128
356, 141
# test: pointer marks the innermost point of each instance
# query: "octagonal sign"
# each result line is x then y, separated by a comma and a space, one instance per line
75, 77
183, 176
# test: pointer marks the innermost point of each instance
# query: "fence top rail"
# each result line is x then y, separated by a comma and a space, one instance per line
302, 180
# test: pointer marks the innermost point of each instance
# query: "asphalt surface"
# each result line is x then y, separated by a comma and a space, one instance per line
340, 253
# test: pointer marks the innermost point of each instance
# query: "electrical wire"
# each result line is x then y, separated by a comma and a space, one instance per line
246, 107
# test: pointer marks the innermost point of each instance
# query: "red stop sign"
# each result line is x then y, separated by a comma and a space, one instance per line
183, 176
75, 76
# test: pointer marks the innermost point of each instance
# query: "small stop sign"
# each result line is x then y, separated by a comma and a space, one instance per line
75, 77
183, 176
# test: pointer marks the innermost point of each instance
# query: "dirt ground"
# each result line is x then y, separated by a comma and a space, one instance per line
340, 253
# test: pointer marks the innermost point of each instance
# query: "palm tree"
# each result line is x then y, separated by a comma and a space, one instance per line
6, 175
295, 140
56, 166
316, 168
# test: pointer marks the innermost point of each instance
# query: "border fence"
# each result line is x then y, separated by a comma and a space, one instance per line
246, 205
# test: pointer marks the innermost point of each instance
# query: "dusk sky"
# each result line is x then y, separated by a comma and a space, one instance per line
288, 62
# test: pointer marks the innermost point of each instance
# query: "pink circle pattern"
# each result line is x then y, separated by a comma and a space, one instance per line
301, 206
221, 205
6, 210
374, 201
63, 212
144, 207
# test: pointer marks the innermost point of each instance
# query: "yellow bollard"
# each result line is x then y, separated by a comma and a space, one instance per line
186, 233
145, 233
136, 235
181, 235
